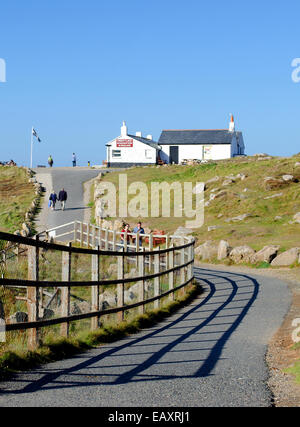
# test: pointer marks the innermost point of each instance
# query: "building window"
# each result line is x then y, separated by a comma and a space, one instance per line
148, 154
116, 153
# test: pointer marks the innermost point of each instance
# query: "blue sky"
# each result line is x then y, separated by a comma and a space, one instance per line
76, 69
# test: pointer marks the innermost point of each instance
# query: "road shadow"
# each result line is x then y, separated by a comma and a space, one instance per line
228, 297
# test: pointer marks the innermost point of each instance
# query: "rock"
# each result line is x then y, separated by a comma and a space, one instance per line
132, 273
129, 297
19, 316
238, 218
26, 228
74, 308
273, 196
287, 177
208, 250
228, 181
223, 250
274, 183
266, 254
107, 299
241, 254
46, 313
112, 269
261, 155
277, 218
296, 217
286, 258
215, 179
297, 164
199, 188
213, 227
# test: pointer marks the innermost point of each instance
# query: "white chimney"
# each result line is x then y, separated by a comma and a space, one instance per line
231, 124
149, 137
124, 130
138, 134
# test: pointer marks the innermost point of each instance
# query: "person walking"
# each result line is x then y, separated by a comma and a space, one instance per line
62, 197
50, 161
53, 199
74, 159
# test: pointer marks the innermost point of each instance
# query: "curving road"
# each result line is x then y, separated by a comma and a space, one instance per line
210, 353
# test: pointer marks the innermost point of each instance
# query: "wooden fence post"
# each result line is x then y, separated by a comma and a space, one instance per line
171, 274
150, 250
137, 247
88, 235
95, 289
157, 279
182, 269
66, 290
141, 262
106, 240
81, 234
33, 294
114, 240
120, 286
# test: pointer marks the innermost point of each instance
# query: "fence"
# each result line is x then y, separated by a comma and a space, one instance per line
173, 257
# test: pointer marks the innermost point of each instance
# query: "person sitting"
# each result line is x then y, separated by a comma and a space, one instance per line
138, 229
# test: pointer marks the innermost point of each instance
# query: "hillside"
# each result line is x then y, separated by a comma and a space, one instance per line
265, 189
16, 196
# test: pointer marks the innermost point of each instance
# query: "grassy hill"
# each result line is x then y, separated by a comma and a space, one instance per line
262, 199
16, 196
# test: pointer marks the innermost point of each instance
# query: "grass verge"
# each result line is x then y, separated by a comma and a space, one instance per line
54, 349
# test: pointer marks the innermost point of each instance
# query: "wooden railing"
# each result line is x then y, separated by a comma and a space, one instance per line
169, 259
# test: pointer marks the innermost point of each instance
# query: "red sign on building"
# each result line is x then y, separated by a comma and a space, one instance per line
124, 142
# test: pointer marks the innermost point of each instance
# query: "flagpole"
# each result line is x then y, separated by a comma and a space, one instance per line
31, 147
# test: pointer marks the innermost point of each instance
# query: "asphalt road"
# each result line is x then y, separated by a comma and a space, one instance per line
72, 180
209, 354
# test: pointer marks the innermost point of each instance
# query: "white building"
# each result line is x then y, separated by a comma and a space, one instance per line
131, 150
174, 146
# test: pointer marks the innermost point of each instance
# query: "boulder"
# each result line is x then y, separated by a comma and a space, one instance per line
208, 250
223, 250
266, 254
286, 258
287, 177
214, 179
241, 254
228, 181
273, 196
107, 299
238, 218
296, 217
274, 183
213, 227
19, 316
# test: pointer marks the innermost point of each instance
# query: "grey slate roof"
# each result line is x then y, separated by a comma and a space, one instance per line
190, 137
146, 141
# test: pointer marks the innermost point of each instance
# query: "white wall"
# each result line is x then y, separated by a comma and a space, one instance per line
134, 154
217, 152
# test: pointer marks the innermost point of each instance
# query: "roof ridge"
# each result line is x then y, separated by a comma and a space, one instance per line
191, 130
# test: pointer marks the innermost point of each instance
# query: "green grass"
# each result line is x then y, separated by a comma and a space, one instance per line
258, 230
16, 196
